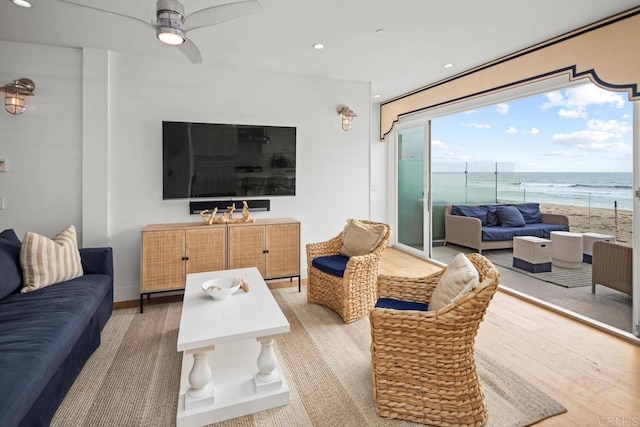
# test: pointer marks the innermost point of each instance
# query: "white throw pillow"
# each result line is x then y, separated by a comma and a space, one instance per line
46, 262
459, 278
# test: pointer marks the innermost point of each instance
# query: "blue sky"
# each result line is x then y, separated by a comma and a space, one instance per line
579, 129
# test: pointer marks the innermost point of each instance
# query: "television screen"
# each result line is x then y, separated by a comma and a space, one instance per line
226, 160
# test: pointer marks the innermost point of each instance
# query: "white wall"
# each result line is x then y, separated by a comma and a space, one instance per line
42, 146
47, 178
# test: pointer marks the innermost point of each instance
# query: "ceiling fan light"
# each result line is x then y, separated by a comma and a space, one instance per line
172, 36
21, 3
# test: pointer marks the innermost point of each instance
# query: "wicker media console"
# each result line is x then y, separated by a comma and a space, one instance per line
171, 251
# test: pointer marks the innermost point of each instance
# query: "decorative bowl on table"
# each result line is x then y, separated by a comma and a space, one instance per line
221, 287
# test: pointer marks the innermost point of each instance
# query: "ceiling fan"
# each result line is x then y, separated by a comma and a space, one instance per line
171, 24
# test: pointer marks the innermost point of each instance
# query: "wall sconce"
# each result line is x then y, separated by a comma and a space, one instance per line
347, 116
15, 93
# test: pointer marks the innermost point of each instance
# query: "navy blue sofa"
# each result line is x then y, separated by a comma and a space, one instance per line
46, 336
494, 226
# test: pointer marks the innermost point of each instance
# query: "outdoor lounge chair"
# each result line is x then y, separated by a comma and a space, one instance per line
612, 266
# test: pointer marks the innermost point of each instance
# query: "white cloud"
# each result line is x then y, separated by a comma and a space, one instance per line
561, 153
572, 114
600, 135
502, 108
511, 130
438, 144
574, 101
532, 131
477, 125
617, 128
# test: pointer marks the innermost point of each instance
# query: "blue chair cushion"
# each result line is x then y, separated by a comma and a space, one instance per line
397, 304
510, 216
334, 265
11, 277
479, 212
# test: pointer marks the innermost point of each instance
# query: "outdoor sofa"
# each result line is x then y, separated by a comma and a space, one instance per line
47, 335
494, 226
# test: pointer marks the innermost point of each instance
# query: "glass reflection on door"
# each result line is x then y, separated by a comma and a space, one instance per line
410, 190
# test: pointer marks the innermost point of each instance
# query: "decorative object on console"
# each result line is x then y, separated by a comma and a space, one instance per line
15, 93
209, 217
347, 115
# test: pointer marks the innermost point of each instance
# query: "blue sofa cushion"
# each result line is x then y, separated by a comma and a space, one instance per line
530, 212
492, 215
496, 234
334, 265
11, 276
39, 329
510, 216
397, 304
542, 230
479, 212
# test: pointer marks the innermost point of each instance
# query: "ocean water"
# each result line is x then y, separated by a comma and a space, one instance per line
595, 189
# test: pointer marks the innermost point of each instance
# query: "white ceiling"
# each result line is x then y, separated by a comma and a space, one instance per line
420, 37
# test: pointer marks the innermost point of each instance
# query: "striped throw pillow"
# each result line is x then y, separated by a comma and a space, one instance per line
46, 262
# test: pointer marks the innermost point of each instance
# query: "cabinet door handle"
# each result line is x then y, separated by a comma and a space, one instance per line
185, 258
266, 251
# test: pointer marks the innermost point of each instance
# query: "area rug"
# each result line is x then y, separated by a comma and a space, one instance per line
565, 277
132, 379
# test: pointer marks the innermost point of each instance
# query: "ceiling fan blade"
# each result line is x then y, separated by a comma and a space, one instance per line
107, 11
221, 13
191, 51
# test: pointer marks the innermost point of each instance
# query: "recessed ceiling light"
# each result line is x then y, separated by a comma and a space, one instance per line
377, 95
449, 65
318, 46
381, 31
21, 3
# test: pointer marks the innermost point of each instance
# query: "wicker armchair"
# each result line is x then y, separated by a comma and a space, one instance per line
353, 295
423, 364
612, 267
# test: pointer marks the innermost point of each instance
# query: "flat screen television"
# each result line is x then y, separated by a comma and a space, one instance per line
201, 160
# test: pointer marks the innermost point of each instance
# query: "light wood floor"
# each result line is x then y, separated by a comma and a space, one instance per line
593, 374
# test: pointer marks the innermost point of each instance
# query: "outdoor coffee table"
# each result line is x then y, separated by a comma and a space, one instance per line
229, 367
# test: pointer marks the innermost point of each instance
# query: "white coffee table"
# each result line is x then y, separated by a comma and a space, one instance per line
229, 367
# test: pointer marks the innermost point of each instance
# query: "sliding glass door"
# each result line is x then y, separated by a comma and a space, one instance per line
413, 224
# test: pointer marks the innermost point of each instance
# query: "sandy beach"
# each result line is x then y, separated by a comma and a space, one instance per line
595, 220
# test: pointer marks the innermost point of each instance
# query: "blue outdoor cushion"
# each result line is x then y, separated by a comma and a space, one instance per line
479, 212
530, 212
510, 216
492, 215
541, 230
11, 277
334, 265
496, 234
397, 304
